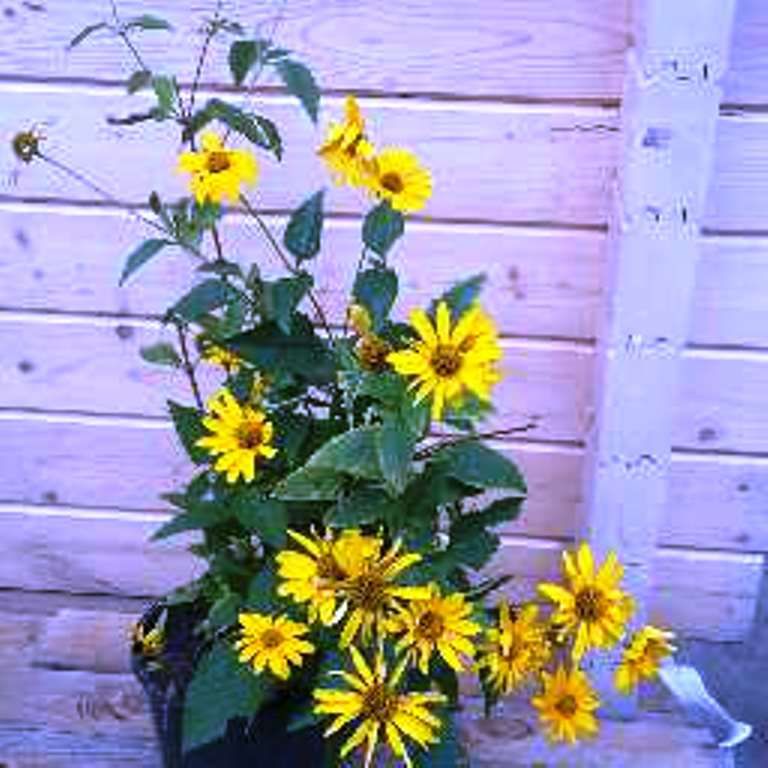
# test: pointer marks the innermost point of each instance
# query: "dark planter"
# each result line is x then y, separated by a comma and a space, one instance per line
259, 742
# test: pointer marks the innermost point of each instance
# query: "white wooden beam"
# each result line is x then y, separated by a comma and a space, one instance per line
669, 115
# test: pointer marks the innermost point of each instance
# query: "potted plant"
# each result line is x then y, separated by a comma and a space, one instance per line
345, 494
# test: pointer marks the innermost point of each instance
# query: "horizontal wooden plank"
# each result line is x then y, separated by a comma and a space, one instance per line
745, 79
93, 366
518, 48
715, 501
489, 162
711, 596
540, 282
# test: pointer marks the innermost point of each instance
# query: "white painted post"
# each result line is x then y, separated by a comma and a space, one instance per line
669, 115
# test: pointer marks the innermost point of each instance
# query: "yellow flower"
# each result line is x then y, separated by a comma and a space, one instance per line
217, 355
148, 644
346, 149
379, 710
437, 624
218, 172
516, 649
400, 178
314, 576
269, 642
566, 705
446, 363
241, 437
642, 657
26, 144
593, 609
372, 351
360, 319
370, 595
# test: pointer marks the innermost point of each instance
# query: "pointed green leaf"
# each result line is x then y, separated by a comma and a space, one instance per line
85, 33
167, 94
310, 484
394, 447
382, 227
352, 453
243, 55
203, 298
281, 298
257, 129
267, 518
305, 228
147, 250
190, 429
161, 353
138, 80
376, 289
477, 465
462, 296
300, 83
200, 515
148, 22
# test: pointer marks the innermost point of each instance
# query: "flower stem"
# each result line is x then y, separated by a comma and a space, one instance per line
189, 369
430, 450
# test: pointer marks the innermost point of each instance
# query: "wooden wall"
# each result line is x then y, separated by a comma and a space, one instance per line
513, 104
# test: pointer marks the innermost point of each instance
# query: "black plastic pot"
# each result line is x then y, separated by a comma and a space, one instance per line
255, 743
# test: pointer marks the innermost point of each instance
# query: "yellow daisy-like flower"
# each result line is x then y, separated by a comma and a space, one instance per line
436, 625
379, 710
642, 657
240, 436
272, 642
593, 609
515, 650
447, 363
217, 355
371, 595
346, 149
566, 705
148, 644
401, 179
314, 576
217, 173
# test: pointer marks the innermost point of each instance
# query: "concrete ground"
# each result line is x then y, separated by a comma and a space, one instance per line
737, 675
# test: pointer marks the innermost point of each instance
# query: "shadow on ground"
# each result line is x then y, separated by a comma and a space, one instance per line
737, 675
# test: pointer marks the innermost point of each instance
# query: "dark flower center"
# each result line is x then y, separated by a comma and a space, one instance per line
590, 604
431, 626
249, 435
446, 361
567, 706
328, 569
368, 591
379, 703
271, 638
392, 182
218, 162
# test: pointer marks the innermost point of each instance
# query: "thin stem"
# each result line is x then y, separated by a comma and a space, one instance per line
287, 263
212, 31
430, 450
125, 37
189, 369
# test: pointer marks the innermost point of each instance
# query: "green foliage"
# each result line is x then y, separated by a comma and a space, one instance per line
382, 228
190, 429
138, 258
202, 299
199, 516
300, 82
85, 33
376, 290
394, 448
167, 92
161, 353
281, 298
139, 80
462, 296
476, 464
305, 228
147, 22
267, 518
221, 689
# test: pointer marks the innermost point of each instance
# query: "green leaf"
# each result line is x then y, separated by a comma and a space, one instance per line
224, 611
447, 752
267, 518
148, 22
138, 80
222, 688
203, 298
243, 54
310, 484
477, 465
161, 353
461, 296
394, 447
257, 129
199, 516
281, 298
376, 289
190, 429
85, 33
351, 453
361, 506
167, 94
262, 591
300, 83
304, 231
382, 227
147, 250
136, 117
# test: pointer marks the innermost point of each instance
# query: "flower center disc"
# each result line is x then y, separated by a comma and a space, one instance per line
446, 361
590, 605
367, 591
218, 162
431, 626
249, 435
271, 638
567, 706
379, 703
392, 182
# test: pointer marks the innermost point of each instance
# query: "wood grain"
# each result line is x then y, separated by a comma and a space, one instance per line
512, 48
489, 162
